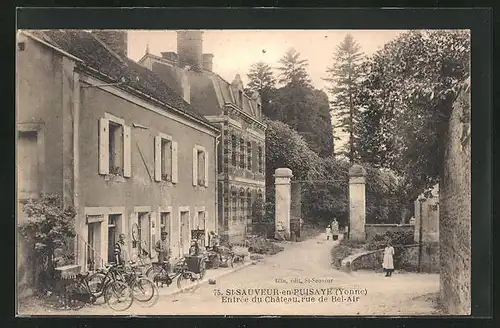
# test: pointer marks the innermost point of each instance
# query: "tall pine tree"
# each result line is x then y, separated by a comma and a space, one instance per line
344, 77
293, 71
262, 80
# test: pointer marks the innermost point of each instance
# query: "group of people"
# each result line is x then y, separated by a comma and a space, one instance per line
332, 230
162, 248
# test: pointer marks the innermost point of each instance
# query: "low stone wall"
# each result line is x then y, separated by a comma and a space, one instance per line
406, 258
368, 260
379, 229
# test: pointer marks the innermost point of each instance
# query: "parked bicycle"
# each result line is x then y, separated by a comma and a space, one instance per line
143, 289
185, 270
223, 255
117, 294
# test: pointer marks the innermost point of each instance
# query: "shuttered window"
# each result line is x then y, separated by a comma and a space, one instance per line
114, 147
200, 166
166, 168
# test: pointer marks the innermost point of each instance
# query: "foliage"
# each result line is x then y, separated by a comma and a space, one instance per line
352, 243
327, 193
293, 70
260, 245
48, 229
408, 94
262, 80
345, 76
307, 111
325, 186
397, 239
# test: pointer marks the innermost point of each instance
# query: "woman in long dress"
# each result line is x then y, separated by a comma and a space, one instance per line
388, 263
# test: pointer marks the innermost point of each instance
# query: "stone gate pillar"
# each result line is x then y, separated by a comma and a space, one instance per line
357, 203
283, 197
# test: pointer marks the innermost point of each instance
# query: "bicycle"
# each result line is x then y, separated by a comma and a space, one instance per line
80, 293
159, 273
108, 280
143, 288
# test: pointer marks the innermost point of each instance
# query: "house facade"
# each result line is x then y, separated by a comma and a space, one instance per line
115, 141
241, 150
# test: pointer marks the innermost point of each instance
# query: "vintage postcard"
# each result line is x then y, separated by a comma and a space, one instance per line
243, 172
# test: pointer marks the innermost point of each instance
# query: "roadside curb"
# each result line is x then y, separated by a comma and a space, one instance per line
206, 279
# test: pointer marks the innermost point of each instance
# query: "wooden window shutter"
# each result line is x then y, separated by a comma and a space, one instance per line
175, 169
127, 156
195, 167
157, 158
152, 232
206, 168
103, 146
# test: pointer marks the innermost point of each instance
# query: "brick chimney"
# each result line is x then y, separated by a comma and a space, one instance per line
116, 40
189, 49
208, 62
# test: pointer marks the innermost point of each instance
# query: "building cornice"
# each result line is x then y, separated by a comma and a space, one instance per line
246, 116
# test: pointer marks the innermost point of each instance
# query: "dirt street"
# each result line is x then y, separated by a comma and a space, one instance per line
297, 281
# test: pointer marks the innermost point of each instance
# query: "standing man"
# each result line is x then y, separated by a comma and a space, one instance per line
335, 229
162, 248
120, 254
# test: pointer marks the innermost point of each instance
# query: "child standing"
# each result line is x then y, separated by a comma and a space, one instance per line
328, 232
388, 263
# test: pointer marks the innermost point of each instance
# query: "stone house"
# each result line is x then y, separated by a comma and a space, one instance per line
241, 150
115, 141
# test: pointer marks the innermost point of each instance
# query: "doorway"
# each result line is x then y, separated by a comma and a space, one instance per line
93, 245
114, 223
144, 225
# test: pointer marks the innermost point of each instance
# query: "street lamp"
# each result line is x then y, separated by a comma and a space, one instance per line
421, 201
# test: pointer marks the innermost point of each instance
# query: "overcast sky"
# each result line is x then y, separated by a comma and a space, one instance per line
236, 50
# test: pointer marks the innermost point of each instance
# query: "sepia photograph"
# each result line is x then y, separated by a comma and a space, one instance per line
243, 172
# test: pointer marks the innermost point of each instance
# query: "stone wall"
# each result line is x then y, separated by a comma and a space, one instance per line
455, 213
373, 229
406, 258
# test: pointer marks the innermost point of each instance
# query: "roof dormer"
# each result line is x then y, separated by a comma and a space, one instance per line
237, 89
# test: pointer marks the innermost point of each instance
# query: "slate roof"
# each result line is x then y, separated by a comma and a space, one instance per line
85, 46
209, 91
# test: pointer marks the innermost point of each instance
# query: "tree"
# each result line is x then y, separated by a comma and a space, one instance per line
261, 77
48, 229
307, 111
412, 84
344, 77
293, 70
262, 80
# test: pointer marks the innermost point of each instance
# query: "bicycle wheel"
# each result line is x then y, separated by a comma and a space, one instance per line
96, 284
75, 295
184, 280
154, 271
143, 289
118, 295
